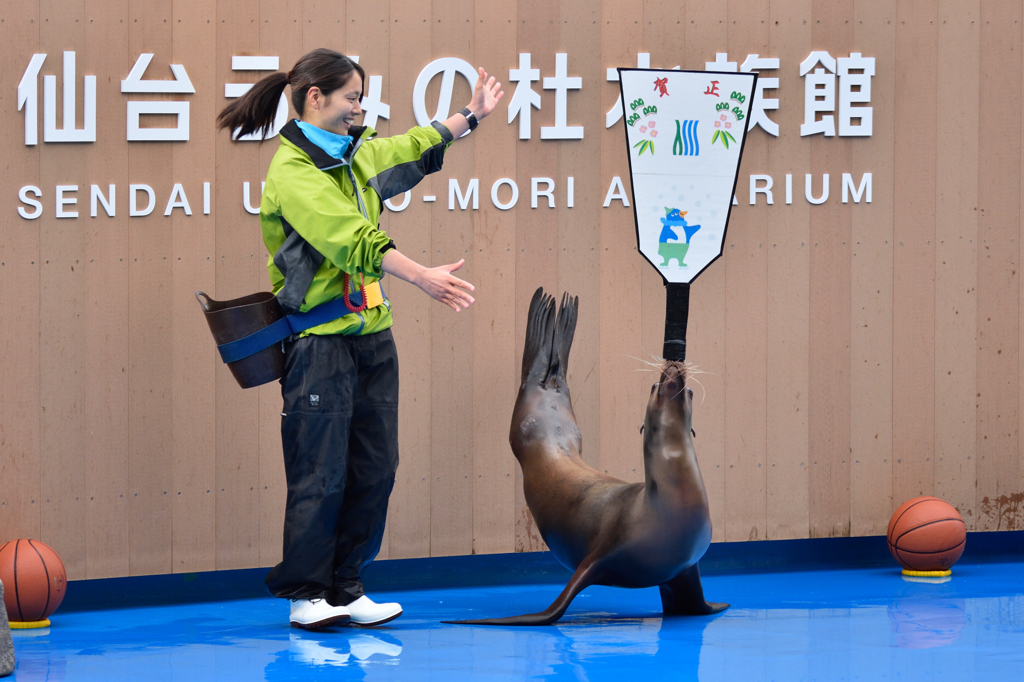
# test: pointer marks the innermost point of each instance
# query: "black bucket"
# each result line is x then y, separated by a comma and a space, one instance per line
235, 319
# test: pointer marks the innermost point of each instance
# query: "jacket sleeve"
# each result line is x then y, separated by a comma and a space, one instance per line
401, 161
330, 221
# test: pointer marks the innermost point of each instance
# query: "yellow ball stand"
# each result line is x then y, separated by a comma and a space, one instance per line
30, 625
916, 574
933, 577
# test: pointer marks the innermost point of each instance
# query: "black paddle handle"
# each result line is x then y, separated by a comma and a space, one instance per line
677, 310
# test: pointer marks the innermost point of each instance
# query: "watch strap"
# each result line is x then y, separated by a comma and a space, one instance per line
470, 118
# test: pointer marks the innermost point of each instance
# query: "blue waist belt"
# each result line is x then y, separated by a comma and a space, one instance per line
280, 330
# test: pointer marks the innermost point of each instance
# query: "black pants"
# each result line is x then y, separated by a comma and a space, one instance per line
340, 432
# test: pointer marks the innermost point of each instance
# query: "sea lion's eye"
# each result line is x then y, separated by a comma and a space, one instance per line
690, 391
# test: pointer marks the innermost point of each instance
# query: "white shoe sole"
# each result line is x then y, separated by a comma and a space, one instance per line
325, 623
386, 619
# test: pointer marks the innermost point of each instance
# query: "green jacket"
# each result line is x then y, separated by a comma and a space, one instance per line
335, 205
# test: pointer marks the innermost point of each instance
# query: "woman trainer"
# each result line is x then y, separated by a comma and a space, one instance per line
339, 425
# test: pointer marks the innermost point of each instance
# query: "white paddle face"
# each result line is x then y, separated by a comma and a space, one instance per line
685, 132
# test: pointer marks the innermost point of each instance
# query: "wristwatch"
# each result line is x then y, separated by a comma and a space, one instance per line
470, 118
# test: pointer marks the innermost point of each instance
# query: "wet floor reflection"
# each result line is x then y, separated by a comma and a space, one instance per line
912, 638
923, 623
853, 625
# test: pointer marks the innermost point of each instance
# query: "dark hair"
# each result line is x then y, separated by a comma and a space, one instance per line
255, 110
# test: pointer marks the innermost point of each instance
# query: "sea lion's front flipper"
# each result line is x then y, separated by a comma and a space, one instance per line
582, 578
684, 596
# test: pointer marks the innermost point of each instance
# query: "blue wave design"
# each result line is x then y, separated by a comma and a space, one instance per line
692, 147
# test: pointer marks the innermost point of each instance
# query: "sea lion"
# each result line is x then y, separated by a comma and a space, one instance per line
608, 531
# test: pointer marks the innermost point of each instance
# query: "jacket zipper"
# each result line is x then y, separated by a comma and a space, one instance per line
362, 209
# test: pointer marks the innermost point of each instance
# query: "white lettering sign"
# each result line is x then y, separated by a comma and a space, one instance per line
96, 197
178, 200
472, 194
820, 94
37, 206
63, 201
525, 97
448, 67
835, 88
28, 99
494, 194
562, 83
135, 84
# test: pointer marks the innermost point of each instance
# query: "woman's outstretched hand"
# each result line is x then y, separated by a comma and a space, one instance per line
439, 283
486, 95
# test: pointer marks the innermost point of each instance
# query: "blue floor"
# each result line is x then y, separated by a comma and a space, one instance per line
867, 624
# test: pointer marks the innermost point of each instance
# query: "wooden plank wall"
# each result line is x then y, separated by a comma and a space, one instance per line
854, 355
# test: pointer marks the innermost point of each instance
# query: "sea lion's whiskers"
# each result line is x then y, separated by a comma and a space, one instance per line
656, 358
687, 369
650, 366
703, 391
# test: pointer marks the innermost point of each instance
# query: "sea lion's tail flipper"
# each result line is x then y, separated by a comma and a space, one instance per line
582, 578
540, 327
548, 338
565, 330
684, 596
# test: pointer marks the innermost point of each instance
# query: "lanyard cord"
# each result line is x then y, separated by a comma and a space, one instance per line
362, 292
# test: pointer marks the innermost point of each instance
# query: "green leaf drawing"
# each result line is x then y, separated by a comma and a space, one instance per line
723, 135
644, 145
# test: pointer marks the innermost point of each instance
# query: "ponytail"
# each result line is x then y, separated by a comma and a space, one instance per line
255, 110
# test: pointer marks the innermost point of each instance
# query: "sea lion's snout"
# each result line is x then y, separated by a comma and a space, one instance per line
672, 386
671, 400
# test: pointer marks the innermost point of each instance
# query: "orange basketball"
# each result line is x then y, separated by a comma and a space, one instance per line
34, 580
926, 534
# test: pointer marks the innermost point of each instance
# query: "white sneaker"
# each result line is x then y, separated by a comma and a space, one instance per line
312, 614
364, 611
